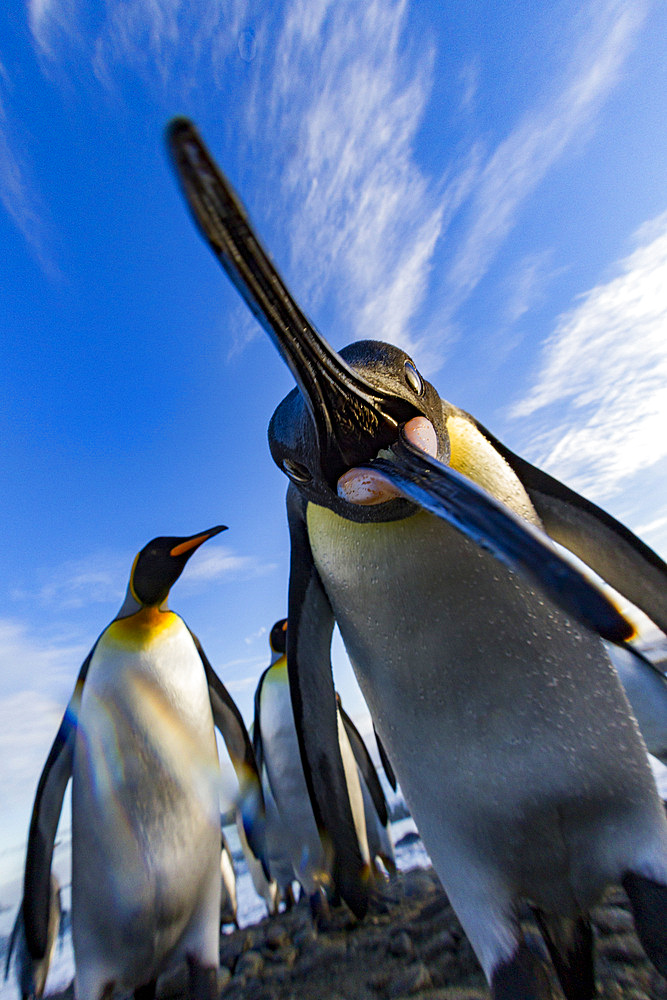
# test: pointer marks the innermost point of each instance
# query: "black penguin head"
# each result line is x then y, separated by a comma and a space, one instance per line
315, 471
160, 563
278, 637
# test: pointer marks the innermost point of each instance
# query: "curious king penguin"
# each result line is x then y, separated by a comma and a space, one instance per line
475, 643
277, 751
138, 740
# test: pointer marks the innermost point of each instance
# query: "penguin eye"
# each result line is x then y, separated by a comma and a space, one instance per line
413, 378
297, 473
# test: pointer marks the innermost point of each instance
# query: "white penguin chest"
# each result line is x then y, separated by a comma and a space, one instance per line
145, 712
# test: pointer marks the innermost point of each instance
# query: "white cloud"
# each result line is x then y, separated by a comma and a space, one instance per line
17, 190
521, 161
97, 579
528, 284
347, 97
215, 562
603, 376
25, 656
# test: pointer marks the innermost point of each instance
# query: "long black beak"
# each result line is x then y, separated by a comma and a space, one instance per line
341, 403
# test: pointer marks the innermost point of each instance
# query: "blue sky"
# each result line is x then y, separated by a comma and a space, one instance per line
483, 184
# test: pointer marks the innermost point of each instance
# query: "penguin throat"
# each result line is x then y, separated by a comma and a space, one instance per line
367, 487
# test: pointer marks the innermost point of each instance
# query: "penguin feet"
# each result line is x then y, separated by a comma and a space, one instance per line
570, 944
319, 910
522, 977
202, 981
649, 906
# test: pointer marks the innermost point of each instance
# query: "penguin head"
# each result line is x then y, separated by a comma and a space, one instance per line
278, 637
326, 475
160, 563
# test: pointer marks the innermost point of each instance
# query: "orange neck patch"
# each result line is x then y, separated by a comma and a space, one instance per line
142, 628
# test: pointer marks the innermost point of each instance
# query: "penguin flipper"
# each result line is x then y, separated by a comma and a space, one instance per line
386, 763
311, 624
257, 744
44, 823
493, 526
570, 944
602, 542
231, 726
365, 765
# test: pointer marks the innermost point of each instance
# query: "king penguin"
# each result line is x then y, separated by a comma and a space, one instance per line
476, 644
376, 810
277, 748
138, 740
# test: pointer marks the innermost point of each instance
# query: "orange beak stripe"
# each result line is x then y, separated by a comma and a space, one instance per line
192, 543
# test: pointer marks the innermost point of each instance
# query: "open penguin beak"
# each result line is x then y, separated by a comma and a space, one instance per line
352, 418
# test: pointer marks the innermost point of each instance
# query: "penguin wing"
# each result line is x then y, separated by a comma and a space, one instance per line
386, 763
44, 823
602, 542
11, 944
257, 744
229, 722
365, 765
311, 622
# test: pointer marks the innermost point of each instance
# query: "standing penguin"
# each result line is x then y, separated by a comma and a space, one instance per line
476, 645
376, 810
138, 740
277, 747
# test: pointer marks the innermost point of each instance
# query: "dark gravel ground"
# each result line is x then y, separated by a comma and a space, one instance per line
415, 949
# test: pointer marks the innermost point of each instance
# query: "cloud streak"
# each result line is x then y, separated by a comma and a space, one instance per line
605, 366
17, 191
521, 161
347, 97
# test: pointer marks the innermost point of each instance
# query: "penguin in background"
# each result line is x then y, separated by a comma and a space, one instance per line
138, 741
645, 686
277, 751
31, 974
475, 642
376, 810
228, 898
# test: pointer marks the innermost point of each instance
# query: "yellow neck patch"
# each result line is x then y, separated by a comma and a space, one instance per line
475, 457
141, 629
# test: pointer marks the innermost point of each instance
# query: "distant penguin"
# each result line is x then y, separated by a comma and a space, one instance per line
476, 644
276, 746
376, 809
138, 740
645, 685
31, 974
228, 901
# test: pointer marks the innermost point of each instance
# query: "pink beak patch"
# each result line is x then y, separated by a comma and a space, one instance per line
364, 486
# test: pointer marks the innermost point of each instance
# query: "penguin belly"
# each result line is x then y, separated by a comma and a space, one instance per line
506, 725
145, 812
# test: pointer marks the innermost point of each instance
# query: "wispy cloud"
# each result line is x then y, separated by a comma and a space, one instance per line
18, 193
605, 366
528, 284
520, 162
218, 562
363, 221
101, 578
24, 655
97, 579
